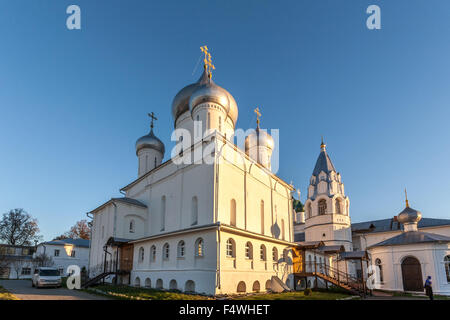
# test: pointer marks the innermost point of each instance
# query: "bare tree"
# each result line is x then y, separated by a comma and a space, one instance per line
42, 260
17, 227
17, 264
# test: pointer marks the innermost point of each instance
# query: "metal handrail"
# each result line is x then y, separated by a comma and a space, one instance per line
338, 275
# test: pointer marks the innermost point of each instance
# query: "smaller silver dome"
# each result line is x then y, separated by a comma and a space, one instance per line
409, 215
150, 141
259, 137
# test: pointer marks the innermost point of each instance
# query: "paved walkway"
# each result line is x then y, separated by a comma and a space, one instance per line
23, 290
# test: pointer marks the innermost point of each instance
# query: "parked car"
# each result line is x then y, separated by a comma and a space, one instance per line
46, 277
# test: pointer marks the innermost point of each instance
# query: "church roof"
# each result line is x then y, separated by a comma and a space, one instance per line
391, 225
124, 200
323, 163
130, 201
76, 242
412, 237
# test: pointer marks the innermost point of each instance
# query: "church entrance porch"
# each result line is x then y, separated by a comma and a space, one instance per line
412, 274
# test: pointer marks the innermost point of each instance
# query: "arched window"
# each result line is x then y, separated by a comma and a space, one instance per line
159, 284
262, 216
256, 286
163, 213
241, 287
275, 254
233, 212
268, 285
447, 267
283, 234
189, 286
262, 253
380, 268
173, 284
338, 206
148, 283
166, 251
199, 248
153, 253
194, 211
141, 254
131, 227
137, 282
230, 248
181, 249
248, 250
155, 163
322, 206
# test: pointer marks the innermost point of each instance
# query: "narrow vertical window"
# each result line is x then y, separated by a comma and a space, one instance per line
194, 211
282, 230
233, 212
163, 213
262, 216
220, 124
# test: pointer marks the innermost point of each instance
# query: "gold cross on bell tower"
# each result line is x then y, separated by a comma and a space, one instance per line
207, 61
258, 115
152, 116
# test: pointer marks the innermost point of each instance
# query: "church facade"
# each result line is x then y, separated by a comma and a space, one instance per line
212, 219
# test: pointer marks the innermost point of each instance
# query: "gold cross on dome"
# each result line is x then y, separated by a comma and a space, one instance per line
207, 61
406, 198
258, 115
152, 116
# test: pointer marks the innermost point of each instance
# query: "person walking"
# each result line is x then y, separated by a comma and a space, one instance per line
428, 288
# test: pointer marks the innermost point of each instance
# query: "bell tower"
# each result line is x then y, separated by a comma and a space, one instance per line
327, 206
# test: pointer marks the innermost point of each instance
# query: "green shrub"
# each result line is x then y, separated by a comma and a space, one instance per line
307, 291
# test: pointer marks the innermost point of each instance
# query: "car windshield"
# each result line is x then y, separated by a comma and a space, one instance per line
48, 273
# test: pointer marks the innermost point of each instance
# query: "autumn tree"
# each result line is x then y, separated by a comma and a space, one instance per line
81, 230
18, 228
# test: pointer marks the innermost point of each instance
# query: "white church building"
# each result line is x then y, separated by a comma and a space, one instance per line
211, 219
215, 219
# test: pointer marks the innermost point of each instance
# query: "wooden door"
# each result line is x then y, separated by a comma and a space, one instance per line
412, 274
126, 257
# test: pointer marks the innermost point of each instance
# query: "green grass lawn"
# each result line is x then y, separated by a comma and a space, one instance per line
296, 295
6, 295
132, 293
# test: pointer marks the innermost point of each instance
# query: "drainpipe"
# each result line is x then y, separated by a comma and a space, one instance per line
90, 243
218, 256
115, 219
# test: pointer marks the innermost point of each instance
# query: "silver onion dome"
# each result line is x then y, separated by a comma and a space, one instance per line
180, 103
150, 141
409, 215
259, 138
201, 91
211, 92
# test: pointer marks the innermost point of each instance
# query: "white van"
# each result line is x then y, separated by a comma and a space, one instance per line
46, 277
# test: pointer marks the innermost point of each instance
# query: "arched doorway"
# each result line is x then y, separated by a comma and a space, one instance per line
412, 274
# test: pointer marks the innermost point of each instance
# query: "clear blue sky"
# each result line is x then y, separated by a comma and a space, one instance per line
73, 103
